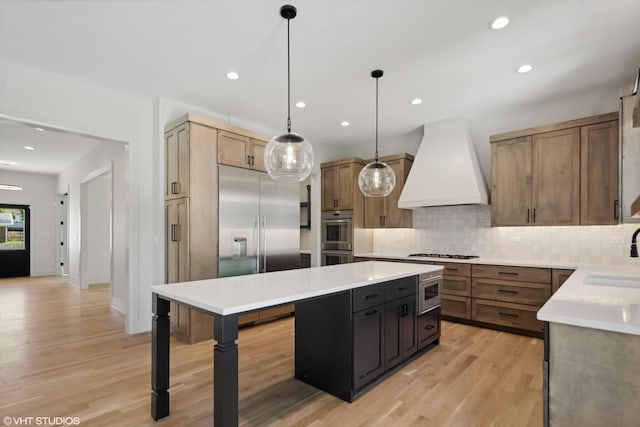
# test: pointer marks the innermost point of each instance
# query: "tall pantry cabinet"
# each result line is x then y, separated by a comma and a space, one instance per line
191, 209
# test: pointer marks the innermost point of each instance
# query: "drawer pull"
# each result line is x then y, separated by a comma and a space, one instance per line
508, 291
370, 296
508, 314
451, 269
402, 288
507, 273
370, 312
429, 327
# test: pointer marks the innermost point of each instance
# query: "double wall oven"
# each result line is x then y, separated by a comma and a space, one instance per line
337, 237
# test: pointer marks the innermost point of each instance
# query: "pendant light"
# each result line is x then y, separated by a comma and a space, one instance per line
376, 179
288, 157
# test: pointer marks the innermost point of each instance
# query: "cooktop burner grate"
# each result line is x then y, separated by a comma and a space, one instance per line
452, 256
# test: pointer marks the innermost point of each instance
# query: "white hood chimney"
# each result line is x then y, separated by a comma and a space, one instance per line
446, 170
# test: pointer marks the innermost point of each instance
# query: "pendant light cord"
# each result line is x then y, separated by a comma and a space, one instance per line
288, 81
376, 119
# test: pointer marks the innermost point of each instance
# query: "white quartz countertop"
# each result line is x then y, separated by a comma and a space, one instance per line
483, 261
239, 294
605, 297
599, 297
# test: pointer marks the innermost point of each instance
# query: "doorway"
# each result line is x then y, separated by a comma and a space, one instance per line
96, 229
15, 230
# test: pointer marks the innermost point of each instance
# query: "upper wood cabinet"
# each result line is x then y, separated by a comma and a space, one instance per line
176, 159
511, 182
240, 151
555, 178
599, 175
563, 174
340, 184
383, 212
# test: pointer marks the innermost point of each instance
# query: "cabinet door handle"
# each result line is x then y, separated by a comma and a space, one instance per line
370, 296
370, 312
174, 187
507, 273
174, 233
429, 327
253, 160
534, 215
616, 203
528, 216
248, 159
508, 314
508, 291
384, 220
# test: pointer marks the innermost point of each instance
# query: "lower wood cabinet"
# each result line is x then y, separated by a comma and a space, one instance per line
456, 306
558, 277
347, 342
518, 316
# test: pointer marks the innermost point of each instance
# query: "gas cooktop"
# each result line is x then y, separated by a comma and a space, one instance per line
453, 256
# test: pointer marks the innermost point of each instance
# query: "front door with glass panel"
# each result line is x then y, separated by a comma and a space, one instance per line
14, 241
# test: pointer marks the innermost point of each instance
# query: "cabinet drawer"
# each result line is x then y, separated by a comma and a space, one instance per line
455, 306
518, 292
506, 314
455, 268
399, 288
456, 285
368, 296
428, 328
523, 274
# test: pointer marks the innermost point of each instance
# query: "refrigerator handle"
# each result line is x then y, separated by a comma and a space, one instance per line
263, 242
256, 235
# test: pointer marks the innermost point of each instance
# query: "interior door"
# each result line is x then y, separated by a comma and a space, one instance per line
14, 241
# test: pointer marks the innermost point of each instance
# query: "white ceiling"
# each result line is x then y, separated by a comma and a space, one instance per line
53, 152
439, 50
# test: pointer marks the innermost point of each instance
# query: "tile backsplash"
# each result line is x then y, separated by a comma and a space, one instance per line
467, 230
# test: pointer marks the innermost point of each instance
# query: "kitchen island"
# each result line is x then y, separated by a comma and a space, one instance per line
591, 367
226, 298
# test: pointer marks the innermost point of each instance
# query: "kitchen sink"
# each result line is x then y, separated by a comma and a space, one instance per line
611, 280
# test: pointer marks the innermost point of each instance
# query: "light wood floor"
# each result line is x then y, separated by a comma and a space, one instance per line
63, 352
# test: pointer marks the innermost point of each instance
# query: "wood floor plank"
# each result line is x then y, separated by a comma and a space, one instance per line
63, 352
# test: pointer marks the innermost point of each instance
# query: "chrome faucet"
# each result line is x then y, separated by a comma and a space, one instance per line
634, 247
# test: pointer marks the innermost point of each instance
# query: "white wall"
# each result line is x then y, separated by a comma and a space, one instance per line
106, 155
98, 229
38, 191
40, 97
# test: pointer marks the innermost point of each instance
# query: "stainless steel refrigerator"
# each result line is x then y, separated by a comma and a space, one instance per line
259, 229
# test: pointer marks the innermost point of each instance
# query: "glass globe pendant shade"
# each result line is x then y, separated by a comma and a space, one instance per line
288, 158
376, 179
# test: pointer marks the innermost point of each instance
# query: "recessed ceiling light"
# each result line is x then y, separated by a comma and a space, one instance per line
344, 123
499, 23
416, 101
28, 147
300, 104
524, 68
40, 129
232, 75
7, 162
10, 187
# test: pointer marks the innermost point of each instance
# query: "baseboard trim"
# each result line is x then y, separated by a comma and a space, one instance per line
118, 305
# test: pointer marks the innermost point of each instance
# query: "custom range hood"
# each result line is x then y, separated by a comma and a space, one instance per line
446, 170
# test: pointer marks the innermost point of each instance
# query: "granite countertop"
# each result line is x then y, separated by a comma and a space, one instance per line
239, 294
605, 297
